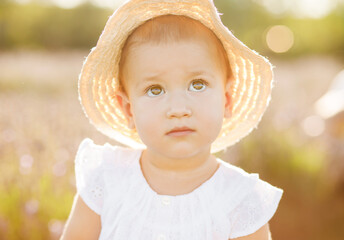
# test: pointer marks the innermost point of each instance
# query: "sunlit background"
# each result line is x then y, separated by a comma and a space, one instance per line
298, 146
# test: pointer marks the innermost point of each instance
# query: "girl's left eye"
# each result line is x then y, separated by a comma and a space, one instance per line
198, 85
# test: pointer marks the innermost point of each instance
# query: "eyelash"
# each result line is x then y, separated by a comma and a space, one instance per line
151, 86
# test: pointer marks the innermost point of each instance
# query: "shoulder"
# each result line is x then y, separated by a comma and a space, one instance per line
99, 163
237, 180
95, 154
244, 182
250, 201
97, 167
232, 170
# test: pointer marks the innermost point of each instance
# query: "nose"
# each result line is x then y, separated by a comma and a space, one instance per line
178, 102
180, 112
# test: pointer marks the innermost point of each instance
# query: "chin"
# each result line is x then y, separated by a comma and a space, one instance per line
180, 152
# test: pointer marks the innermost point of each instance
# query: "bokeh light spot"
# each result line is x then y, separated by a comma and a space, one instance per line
31, 206
56, 227
9, 135
26, 161
25, 164
279, 38
313, 126
59, 169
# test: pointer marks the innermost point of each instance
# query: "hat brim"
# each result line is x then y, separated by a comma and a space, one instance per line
98, 80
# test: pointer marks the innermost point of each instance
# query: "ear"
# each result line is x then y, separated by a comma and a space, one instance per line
228, 99
125, 107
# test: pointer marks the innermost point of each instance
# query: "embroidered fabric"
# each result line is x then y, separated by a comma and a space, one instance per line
230, 204
89, 181
255, 209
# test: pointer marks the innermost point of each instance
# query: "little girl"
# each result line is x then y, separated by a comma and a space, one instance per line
170, 81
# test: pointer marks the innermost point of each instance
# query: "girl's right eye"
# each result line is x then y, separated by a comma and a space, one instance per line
154, 91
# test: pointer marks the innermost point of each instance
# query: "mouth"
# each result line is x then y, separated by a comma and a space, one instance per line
180, 131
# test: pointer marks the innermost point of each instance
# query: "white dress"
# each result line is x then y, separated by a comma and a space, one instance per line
230, 204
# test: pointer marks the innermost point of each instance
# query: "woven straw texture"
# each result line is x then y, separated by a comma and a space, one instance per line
98, 80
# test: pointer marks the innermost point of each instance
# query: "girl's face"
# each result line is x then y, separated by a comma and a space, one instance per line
179, 85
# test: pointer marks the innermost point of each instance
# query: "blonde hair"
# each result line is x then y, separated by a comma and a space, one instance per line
167, 29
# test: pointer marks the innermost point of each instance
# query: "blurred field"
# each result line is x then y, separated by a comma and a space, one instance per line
42, 124
42, 48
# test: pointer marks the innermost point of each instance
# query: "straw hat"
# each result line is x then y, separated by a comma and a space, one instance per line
98, 80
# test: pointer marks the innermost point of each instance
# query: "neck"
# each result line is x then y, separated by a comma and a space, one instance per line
183, 168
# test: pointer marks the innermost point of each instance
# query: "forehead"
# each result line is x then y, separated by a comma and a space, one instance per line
168, 29
148, 61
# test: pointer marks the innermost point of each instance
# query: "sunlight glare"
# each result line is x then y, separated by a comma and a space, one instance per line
276, 7
67, 3
107, 3
314, 8
22, 1
332, 102
301, 8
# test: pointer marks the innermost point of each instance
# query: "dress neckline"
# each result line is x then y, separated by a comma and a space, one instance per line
144, 181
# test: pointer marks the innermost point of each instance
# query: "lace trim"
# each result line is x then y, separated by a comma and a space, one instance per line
255, 209
89, 180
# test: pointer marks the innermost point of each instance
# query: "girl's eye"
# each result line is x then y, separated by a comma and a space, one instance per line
198, 85
154, 91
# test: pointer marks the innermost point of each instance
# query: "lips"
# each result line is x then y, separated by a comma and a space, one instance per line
180, 131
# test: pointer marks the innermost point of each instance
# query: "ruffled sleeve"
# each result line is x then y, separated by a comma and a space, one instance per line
88, 175
255, 209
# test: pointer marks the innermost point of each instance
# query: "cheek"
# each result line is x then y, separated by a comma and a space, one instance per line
212, 113
146, 117
212, 107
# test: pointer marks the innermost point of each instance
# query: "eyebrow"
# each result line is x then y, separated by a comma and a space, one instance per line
191, 74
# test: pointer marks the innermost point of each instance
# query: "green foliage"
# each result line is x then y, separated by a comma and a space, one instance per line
47, 27
282, 157
301, 169
36, 26
321, 36
20, 193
